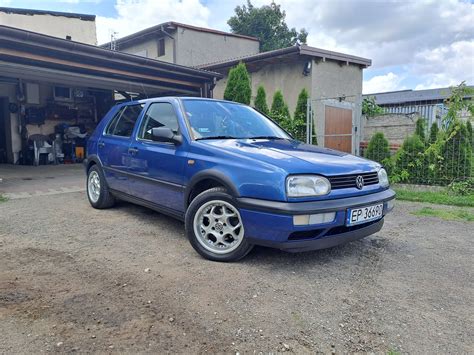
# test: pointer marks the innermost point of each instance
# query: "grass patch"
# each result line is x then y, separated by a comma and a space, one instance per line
3, 199
437, 197
449, 215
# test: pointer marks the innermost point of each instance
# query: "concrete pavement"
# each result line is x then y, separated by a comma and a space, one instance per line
17, 181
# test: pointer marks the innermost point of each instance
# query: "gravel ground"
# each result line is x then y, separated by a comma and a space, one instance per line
126, 280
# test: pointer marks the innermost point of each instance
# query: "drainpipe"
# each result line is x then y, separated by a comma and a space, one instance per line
174, 43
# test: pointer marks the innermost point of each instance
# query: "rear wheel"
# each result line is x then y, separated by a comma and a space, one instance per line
97, 190
215, 228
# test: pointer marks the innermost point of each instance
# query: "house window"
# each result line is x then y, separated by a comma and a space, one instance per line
161, 47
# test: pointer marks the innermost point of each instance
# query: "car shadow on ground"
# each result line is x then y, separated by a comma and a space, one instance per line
269, 256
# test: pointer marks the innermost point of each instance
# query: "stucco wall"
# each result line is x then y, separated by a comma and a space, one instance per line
56, 26
331, 80
286, 77
151, 48
196, 47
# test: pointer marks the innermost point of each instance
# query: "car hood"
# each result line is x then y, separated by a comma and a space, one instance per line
295, 157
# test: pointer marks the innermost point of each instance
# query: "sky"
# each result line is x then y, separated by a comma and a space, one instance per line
412, 44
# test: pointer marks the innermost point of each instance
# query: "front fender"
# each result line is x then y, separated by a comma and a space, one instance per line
214, 174
243, 176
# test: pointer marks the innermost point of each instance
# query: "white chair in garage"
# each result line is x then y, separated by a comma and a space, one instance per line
41, 146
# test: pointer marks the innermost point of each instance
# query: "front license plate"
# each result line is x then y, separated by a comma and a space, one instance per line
364, 214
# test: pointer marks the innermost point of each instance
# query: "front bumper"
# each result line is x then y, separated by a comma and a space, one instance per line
270, 223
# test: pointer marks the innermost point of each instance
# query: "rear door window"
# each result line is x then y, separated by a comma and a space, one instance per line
124, 121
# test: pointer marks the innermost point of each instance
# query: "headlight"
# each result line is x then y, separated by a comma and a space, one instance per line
383, 177
307, 185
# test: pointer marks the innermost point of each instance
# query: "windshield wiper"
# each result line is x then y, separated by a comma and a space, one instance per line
216, 137
266, 137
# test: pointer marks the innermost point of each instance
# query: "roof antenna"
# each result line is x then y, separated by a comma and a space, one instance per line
113, 40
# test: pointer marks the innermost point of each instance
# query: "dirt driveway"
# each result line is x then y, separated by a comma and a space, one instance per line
126, 280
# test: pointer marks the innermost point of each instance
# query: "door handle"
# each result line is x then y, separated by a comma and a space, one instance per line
133, 151
101, 144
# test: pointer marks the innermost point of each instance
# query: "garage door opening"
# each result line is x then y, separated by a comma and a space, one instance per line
58, 90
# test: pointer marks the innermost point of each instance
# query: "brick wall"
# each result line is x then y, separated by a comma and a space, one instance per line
395, 127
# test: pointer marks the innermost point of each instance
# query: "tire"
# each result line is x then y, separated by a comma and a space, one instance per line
99, 196
220, 238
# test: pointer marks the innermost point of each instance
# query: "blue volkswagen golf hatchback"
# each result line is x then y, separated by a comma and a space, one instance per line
234, 177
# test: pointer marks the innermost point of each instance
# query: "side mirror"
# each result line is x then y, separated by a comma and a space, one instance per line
165, 134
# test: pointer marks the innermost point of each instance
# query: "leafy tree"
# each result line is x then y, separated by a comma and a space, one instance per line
378, 149
267, 23
261, 100
238, 87
433, 132
420, 128
460, 99
370, 107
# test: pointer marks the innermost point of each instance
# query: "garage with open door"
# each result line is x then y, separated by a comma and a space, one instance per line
53, 92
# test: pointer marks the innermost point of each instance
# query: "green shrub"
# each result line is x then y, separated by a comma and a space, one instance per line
279, 111
286, 111
410, 160
434, 160
261, 100
238, 87
434, 132
299, 118
296, 127
301, 105
470, 134
457, 153
420, 128
279, 106
462, 188
378, 149
446, 156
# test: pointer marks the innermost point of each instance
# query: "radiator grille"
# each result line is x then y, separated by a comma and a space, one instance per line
348, 181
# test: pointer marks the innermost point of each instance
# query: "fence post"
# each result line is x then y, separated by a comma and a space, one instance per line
309, 122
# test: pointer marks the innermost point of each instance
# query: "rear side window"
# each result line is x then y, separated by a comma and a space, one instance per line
160, 114
124, 120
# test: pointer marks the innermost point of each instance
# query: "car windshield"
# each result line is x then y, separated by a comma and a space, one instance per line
227, 120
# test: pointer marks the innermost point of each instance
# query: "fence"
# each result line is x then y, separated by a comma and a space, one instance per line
413, 152
438, 159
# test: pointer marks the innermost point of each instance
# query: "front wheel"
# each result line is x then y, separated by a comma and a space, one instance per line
215, 228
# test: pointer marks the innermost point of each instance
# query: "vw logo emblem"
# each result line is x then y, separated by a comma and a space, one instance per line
359, 182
